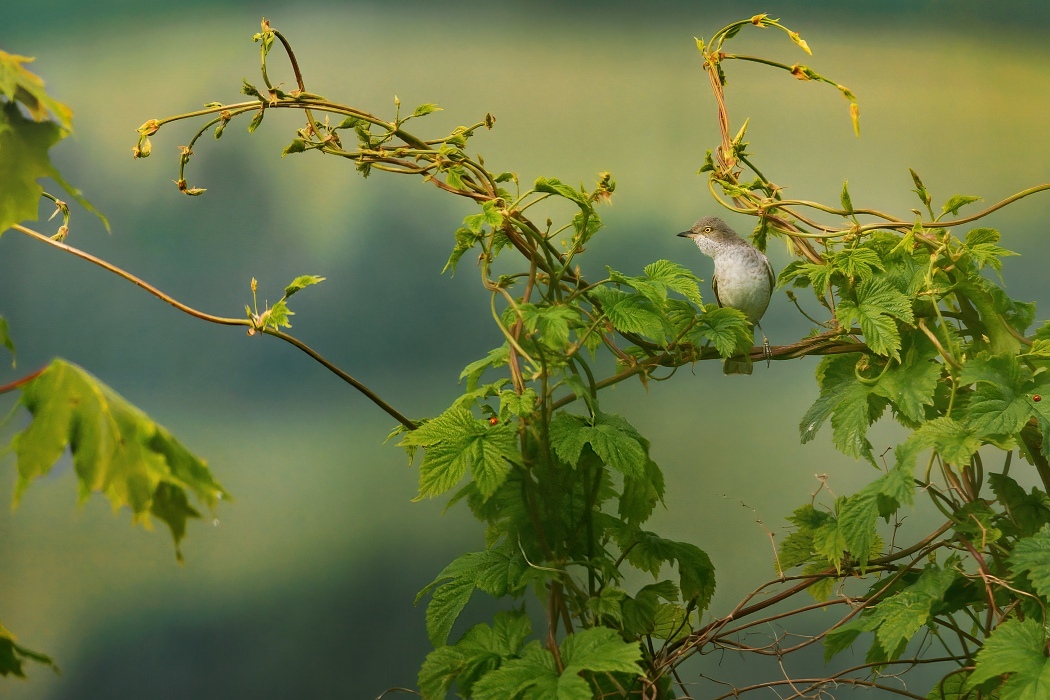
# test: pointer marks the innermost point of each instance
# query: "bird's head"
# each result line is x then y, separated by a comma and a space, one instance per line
710, 228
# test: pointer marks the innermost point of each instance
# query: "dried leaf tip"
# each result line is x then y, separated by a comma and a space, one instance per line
800, 41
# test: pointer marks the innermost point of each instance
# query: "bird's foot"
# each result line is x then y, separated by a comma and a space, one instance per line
766, 351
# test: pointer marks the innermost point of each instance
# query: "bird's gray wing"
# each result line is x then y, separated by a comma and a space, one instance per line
714, 288
772, 277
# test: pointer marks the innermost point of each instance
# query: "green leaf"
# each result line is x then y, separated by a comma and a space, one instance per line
847, 203
601, 650
17, 83
900, 616
456, 441
490, 215
296, 146
958, 201
631, 313
276, 317
611, 437
999, 405
256, 120
697, 574
521, 405
534, 670
552, 323
1015, 647
951, 687
1028, 511
556, 186
648, 552
425, 109
117, 450
302, 282
857, 263
847, 401
910, 384
879, 305
676, 278
13, 655
445, 606
465, 240
23, 160
495, 358
725, 328
1031, 555
840, 638
5, 339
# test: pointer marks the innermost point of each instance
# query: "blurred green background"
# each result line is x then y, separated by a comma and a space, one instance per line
303, 586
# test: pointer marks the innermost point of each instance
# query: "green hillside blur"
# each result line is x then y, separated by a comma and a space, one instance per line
303, 586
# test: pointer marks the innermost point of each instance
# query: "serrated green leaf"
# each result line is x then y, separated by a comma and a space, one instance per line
857, 263
425, 109
847, 401
631, 313
958, 201
608, 604
495, 358
981, 236
1031, 556
551, 323
611, 437
677, 278
521, 405
117, 450
878, 307
535, 670
14, 656
490, 215
445, 606
276, 317
725, 328
454, 442
999, 404
910, 384
1015, 647
900, 616
302, 282
601, 650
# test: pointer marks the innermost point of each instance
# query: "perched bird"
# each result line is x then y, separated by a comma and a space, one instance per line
743, 278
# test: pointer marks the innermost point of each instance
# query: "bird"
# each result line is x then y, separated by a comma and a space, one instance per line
743, 278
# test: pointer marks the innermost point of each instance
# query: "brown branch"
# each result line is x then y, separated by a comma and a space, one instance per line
19, 383
220, 319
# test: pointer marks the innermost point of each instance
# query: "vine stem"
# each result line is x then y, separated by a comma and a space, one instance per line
221, 320
19, 383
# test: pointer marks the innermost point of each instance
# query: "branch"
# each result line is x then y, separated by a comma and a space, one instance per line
221, 320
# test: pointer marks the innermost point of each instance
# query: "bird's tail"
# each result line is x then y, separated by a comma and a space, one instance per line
737, 366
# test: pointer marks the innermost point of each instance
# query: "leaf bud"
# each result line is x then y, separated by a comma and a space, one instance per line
149, 128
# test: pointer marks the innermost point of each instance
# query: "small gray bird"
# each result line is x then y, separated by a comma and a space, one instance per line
743, 278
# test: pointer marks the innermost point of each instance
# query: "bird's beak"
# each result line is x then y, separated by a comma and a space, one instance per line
685, 234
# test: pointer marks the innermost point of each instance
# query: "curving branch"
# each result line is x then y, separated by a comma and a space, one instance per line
221, 320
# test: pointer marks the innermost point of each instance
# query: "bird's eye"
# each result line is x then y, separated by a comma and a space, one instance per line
707, 229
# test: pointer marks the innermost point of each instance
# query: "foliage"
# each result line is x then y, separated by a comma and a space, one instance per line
564, 489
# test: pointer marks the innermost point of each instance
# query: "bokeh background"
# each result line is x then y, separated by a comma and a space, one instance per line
303, 586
